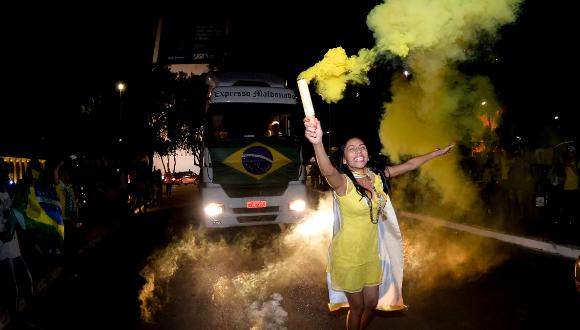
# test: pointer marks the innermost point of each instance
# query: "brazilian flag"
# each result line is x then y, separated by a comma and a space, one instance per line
37, 208
244, 161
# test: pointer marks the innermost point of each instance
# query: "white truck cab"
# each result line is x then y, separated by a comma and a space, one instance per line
252, 170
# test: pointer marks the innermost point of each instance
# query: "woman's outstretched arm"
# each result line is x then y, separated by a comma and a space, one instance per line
415, 162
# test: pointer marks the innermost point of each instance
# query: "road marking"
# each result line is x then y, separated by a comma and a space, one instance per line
550, 247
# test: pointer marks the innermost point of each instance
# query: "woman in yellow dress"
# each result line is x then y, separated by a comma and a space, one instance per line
365, 270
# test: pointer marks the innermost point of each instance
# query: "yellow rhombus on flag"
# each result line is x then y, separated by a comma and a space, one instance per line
256, 160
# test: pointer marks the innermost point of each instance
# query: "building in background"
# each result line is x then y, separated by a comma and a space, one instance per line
194, 44
18, 166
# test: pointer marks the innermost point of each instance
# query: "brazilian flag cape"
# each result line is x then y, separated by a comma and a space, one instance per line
37, 209
250, 161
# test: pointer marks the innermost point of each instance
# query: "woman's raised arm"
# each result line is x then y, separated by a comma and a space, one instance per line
313, 133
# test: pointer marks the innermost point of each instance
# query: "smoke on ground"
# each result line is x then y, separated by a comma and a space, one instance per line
272, 281
235, 269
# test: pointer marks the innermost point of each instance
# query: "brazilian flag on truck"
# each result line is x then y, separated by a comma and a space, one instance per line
244, 161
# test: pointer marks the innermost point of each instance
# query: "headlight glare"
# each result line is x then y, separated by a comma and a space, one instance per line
297, 205
214, 209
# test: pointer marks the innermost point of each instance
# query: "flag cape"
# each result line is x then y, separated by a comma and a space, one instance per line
391, 258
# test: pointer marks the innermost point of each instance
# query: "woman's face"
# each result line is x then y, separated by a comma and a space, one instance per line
356, 155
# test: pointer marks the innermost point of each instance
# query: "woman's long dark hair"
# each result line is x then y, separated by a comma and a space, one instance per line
343, 168
362, 191
377, 166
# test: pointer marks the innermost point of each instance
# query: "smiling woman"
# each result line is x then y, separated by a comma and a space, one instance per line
365, 271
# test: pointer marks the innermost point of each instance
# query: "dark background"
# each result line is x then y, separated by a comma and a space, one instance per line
56, 56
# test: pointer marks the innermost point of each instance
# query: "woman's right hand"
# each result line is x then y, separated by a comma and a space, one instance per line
312, 131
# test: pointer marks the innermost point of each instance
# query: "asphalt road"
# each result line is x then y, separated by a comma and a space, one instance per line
161, 270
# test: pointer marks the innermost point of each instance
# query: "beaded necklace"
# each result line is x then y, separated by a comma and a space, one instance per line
359, 175
381, 202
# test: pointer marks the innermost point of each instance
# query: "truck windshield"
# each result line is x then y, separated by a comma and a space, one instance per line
234, 120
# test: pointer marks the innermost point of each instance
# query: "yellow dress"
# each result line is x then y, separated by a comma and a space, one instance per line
354, 257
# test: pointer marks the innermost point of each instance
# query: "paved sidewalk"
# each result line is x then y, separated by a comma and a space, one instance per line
564, 250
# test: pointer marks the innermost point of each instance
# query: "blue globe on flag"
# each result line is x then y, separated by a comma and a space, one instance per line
257, 160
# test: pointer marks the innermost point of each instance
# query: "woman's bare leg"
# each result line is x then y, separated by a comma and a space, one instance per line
355, 312
371, 299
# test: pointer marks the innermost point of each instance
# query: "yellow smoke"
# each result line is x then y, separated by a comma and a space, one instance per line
336, 69
435, 260
445, 26
431, 111
440, 104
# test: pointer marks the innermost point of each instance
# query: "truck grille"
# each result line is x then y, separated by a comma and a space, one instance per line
256, 218
237, 191
244, 210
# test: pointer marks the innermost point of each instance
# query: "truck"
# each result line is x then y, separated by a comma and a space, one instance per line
252, 170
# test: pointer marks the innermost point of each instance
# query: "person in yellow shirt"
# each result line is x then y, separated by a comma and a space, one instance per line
365, 269
571, 193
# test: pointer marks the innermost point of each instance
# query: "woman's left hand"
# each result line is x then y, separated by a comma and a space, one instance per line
444, 151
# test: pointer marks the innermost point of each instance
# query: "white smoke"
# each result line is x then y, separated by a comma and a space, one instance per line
268, 315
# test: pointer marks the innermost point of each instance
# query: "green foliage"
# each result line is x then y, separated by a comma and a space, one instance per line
175, 111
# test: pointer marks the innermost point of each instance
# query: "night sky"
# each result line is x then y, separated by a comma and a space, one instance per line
56, 55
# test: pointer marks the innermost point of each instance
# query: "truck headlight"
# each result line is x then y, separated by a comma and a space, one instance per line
214, 209
297, 205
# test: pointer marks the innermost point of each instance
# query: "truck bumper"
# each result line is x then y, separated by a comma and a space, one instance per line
252, 210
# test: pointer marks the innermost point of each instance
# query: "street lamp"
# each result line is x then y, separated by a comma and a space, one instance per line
120, 87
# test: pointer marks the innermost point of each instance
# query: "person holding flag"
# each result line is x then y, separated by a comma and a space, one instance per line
37, 209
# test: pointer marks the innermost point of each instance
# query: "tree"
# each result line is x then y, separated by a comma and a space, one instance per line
175, 113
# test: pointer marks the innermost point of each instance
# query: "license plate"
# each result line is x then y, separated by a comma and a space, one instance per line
256, 204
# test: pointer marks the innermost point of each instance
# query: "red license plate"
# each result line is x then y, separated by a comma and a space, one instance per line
256, 204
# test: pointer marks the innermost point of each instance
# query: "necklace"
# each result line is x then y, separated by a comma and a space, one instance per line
379, 207
380, 200
359, 175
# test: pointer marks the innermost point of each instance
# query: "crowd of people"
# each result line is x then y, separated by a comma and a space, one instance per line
537, 188
32, 228
44, 215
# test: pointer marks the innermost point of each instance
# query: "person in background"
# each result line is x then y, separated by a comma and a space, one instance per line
69, 206
521, 187
157, 187
15, 278
365, 270
314, 174
571, 193
36, 204
66, 195
168, 183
